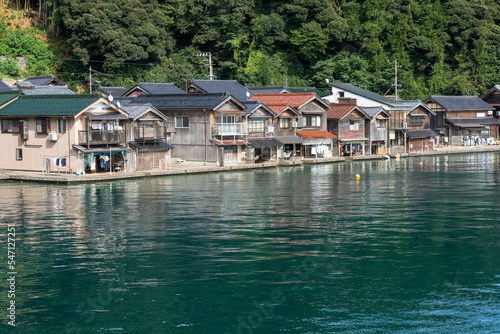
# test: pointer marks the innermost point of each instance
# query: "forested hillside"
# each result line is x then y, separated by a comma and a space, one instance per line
441, 47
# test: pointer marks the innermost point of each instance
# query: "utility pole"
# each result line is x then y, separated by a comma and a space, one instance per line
90, 79
396, 79
209, 58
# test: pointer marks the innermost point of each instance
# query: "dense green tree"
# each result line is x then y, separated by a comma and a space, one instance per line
117, 31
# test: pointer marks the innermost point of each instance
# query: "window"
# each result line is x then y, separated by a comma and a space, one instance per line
285, 123
481, 114
313, 120
341, 94
227, 119
353, 125
19, 154
256, 125
417, 121
42, 125
181, 121
381, 123
10, 125
61, 125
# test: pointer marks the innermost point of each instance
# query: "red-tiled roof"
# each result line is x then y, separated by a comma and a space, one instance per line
316, 134
280, 101
339, 110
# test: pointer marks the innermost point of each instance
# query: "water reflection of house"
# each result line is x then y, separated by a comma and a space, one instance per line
462, 120
66, 133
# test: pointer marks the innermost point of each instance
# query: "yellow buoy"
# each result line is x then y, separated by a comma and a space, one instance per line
358, 177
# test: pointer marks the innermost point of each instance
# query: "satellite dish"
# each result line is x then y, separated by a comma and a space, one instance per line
110, 98
118, 104
327, 81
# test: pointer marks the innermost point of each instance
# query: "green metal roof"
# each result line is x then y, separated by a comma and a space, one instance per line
49, 105
6, 96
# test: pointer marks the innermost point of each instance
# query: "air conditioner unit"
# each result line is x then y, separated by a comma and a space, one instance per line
53, 136
405, 125
490, 112
440, 131
294, 124
270, 129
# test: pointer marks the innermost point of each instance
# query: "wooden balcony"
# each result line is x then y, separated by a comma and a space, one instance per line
101, 137
147, 133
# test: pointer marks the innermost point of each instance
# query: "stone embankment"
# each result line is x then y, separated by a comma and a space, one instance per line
199, 167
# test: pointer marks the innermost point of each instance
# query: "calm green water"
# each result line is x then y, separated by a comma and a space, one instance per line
413, 246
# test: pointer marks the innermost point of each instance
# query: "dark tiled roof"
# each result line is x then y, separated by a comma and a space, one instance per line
412, 104
374, 111
239, 91
114, 91
254, 105
265, 142
183, 101
135, 111
150, 145
48, 90
49, 105
421, 133
460, 102
368, 94
4, 87
473, 120
160, 88
44, 80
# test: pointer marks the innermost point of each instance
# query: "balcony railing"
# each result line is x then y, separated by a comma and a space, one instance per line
100, 137
230, 129
157, 132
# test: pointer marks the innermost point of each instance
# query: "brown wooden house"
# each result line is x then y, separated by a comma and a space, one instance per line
419, 136
462, 120
347, 122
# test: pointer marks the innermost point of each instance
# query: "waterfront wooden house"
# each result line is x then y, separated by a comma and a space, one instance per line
342, 92
64, 133
299, 112
419, 136
492, 97
263, 146
347, 122
149, 135
206, 127
462, 120
377, 129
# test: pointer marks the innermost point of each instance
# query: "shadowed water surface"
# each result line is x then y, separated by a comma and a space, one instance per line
413, 246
